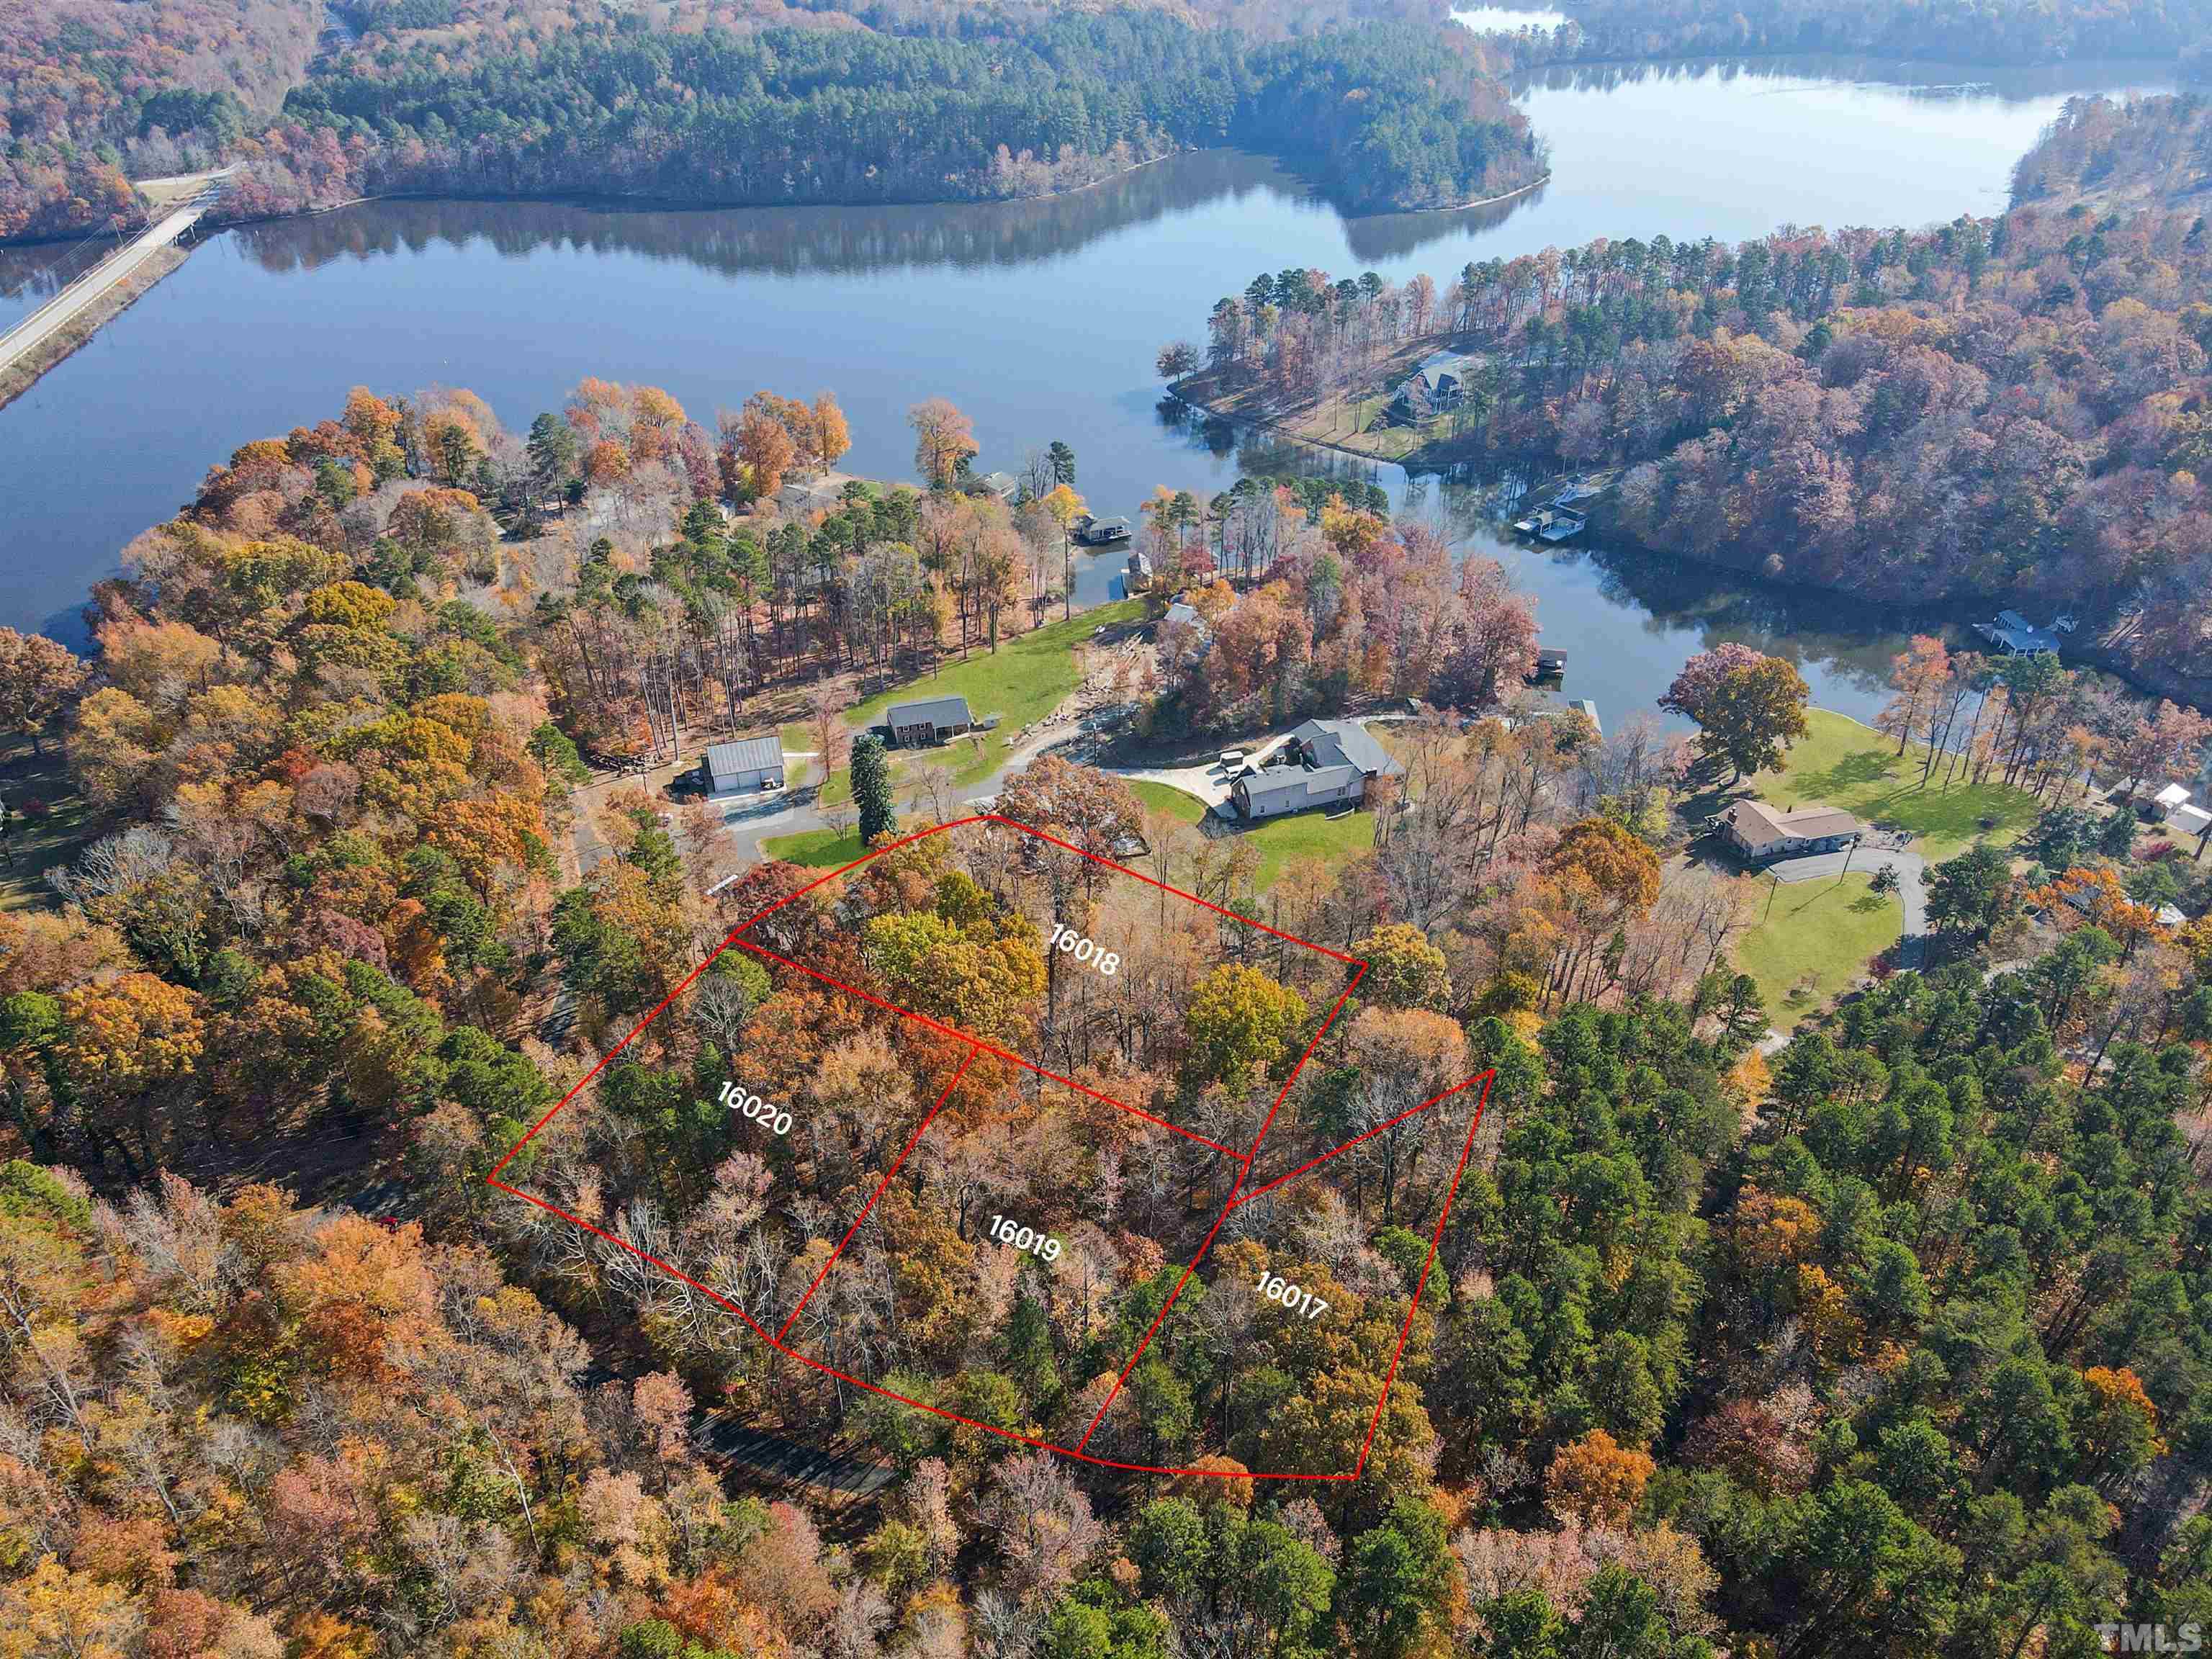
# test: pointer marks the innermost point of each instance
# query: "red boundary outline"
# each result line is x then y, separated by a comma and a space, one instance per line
1237, 1195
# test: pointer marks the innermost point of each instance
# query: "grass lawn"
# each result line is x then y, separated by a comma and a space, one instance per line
818, 849
1840, 763
36, 844
1026, 679
1305, 835
1311, 835
1166, 798
1822, 931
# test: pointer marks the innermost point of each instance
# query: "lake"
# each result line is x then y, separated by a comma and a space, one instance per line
1040, 319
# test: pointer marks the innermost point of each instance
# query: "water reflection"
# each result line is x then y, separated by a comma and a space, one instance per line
1042, 319
1897, 77
843, 240
1383, 236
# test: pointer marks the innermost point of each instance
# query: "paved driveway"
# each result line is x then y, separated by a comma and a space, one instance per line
1906, 866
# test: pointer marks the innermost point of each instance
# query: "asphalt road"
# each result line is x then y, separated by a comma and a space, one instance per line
58, 312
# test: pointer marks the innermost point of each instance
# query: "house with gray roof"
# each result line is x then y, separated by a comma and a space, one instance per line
2015, 636
927, 720
749, 764
1322, 763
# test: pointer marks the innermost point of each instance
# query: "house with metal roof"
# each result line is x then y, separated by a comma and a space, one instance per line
1321, 763
753, 763
927, 720
1758, 832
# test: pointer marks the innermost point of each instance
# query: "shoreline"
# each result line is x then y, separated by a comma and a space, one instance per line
2197, 693
676, 205
1462, 207
617, 202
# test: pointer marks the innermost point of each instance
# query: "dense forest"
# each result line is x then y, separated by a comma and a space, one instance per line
1384, 105
93, 92
1893, 1341
2005, 408
2156, 151
1951, 31
1381, 116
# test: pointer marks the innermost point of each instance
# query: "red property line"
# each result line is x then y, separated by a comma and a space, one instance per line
1237, 1193
673, 1273
1436, 1241
1139, 875
1243, 1177
1391, 1123
713, 956
976, 1041
881, 1187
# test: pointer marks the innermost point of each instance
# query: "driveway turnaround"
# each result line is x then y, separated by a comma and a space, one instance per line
1906, 866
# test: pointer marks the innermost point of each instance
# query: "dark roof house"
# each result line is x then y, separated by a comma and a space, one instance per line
1341, 743
928, 719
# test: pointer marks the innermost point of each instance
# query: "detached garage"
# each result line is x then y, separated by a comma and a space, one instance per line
751, 763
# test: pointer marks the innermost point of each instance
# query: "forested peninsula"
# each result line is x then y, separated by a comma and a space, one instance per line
707, 106
1948, 31
2006, 408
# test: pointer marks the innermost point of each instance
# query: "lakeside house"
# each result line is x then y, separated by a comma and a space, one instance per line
928, 720
1323, 763
1759, 831
2014, 636
2174, 808
1436, 387
750, 763
1181, 612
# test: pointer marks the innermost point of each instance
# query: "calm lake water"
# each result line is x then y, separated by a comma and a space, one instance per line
1041, 319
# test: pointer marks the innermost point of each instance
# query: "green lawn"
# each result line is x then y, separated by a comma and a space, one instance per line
818, 849
1840, 763
1306, 836
1166, 798
1822, 931
1023, 682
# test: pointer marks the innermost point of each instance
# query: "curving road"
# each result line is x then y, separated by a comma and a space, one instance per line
1906, 866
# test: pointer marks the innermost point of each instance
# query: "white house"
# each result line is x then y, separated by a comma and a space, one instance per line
1324, 764
750, 763
2189, 820
2173, 795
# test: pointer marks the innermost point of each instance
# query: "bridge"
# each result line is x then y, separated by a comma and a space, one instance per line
36, 331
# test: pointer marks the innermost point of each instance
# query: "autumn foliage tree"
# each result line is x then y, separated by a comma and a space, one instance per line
1748, 707
943, 441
